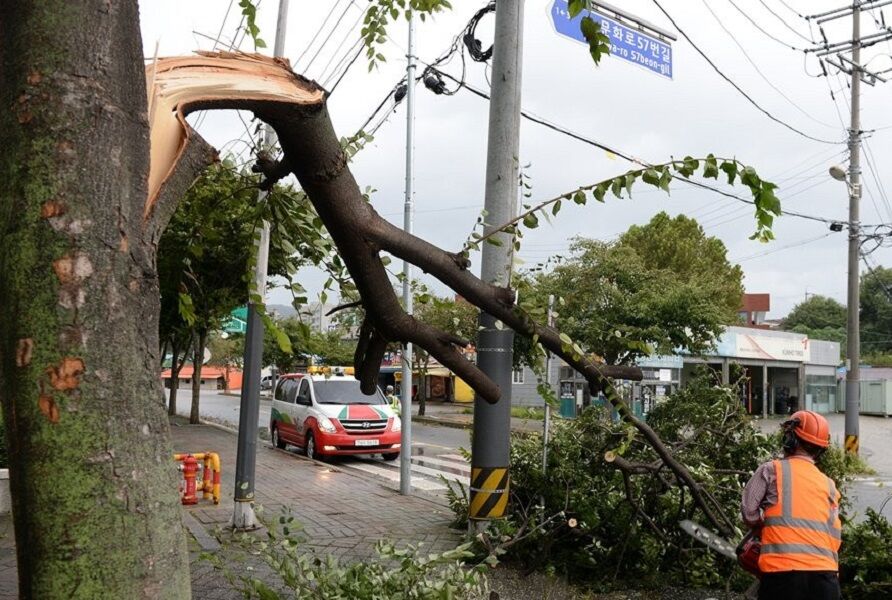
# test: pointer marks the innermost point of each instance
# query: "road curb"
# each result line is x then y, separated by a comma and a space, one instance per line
460, 425
441, 422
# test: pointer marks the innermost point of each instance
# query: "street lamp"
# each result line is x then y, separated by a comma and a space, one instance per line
838, 173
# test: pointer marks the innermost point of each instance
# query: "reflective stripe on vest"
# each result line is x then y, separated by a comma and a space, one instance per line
802, 531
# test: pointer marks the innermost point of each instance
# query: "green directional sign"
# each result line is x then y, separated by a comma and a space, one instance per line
237, 322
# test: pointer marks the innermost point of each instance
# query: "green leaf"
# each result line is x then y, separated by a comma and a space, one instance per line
579, 197
556, 208
531, 221
600, 191
711, 168
651, 177
574, 7
729, 167
616, 186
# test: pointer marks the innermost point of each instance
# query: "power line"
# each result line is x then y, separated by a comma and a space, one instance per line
784, 21
330, 33
334, 7
779, 249
350, 30
759, 27
579, 137
344, 72
879, 182
734, 85
792, 10
758, 70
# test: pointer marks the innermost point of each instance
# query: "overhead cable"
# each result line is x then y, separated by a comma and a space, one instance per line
759, 71
737, 87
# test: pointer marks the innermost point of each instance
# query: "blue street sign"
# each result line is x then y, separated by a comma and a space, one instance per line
629, 44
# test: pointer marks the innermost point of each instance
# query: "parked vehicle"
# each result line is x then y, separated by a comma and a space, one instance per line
329, 415
266, 382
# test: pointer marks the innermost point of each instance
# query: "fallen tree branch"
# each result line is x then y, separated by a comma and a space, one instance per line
295, 107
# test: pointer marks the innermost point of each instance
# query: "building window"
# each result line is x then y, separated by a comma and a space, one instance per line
517, 376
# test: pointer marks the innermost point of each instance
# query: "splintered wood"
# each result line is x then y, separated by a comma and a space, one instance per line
178, 85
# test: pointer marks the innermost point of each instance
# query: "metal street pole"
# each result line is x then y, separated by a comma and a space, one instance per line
853, 332
406, 388
243, 516
547, 420
490, 446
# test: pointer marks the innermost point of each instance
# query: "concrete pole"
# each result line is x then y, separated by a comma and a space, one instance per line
406, 389
243, 517
547, 420
853, 332
490, 447
764, 391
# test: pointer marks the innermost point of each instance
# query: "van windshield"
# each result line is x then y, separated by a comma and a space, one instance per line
344, 392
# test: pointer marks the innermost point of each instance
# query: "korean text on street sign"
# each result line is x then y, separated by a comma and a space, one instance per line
644, 50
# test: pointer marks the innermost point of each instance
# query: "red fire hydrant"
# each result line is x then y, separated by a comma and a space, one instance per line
190, 471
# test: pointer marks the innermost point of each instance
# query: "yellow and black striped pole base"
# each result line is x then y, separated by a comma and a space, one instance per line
489, 493
852, 444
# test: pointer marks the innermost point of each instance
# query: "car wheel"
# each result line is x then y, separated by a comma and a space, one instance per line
311, 449
389, 456
278, 442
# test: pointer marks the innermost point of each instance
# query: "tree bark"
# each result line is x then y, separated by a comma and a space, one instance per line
95, 503
197, 364
175, 366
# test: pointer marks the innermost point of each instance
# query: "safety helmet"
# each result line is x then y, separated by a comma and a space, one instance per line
809, 427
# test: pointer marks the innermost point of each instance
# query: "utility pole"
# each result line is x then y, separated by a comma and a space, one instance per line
853, 327
406, 388
490, 448
243, 517
834, 54
547, 417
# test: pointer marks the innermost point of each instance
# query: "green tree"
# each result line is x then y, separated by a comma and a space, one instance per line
205, 255
819, 318
818, 312
660, 286
876, 311
457, 317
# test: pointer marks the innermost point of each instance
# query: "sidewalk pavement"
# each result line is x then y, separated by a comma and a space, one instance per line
342, 514
461, 415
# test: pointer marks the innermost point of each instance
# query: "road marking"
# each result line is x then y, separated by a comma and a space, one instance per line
379, 470
462, 466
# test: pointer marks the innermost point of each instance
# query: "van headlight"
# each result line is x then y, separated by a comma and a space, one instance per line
397, 424
326, 425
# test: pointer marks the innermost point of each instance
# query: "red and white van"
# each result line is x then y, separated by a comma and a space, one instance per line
329, 415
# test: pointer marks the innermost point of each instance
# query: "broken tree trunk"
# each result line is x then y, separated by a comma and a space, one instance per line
295, 107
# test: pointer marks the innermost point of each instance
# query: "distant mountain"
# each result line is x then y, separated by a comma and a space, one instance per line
281, 310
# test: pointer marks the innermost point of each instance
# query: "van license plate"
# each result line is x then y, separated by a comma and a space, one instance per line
366, 442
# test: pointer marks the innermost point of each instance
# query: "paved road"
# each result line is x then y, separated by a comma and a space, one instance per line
435, 450
436, 453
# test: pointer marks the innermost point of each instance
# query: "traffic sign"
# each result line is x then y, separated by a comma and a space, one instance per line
626, 43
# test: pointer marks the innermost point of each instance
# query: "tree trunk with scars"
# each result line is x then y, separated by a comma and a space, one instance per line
197, 365
95, 503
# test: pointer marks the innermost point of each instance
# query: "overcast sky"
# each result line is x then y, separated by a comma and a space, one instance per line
617, 103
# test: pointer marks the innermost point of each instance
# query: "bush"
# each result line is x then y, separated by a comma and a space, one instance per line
397, 574
866, 558
607, 514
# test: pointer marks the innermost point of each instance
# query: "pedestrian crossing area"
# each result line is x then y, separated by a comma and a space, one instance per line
429, 464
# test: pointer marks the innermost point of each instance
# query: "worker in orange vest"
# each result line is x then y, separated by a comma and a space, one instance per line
794, 508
